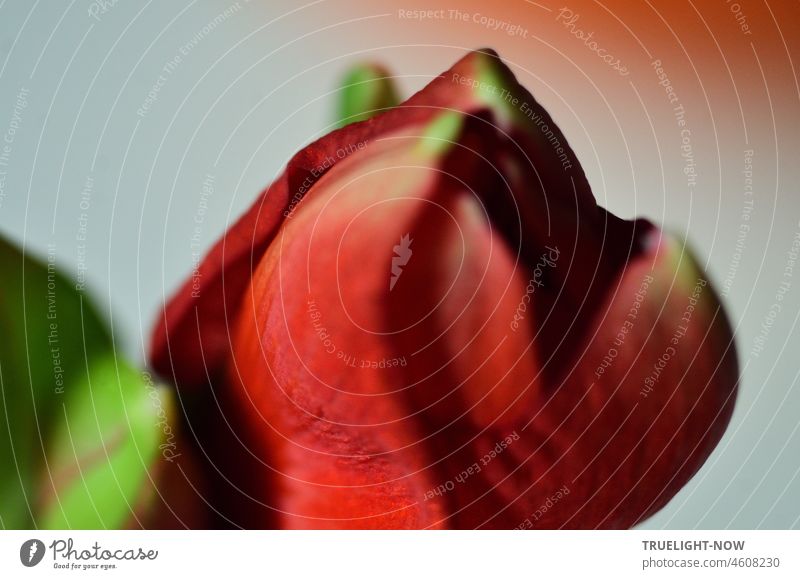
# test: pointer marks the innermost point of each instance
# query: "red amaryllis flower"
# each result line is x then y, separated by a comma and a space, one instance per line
428, 322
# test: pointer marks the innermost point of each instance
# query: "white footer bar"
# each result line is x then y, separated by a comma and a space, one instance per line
404, 555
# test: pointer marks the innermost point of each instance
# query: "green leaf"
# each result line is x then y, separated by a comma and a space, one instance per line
79, 429
48, 329
104, 447
366, 90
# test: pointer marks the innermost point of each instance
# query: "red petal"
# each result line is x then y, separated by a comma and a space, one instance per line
336, 433
647, 400
191, 340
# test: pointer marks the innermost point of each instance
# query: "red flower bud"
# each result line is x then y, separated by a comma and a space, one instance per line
427, 322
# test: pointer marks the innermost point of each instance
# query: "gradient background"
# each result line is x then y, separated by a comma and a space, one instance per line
259, 85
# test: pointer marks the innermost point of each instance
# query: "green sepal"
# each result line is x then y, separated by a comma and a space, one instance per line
366, 90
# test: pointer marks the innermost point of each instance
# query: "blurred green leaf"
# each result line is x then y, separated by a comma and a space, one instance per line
79, 429
102, 448
367, 89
